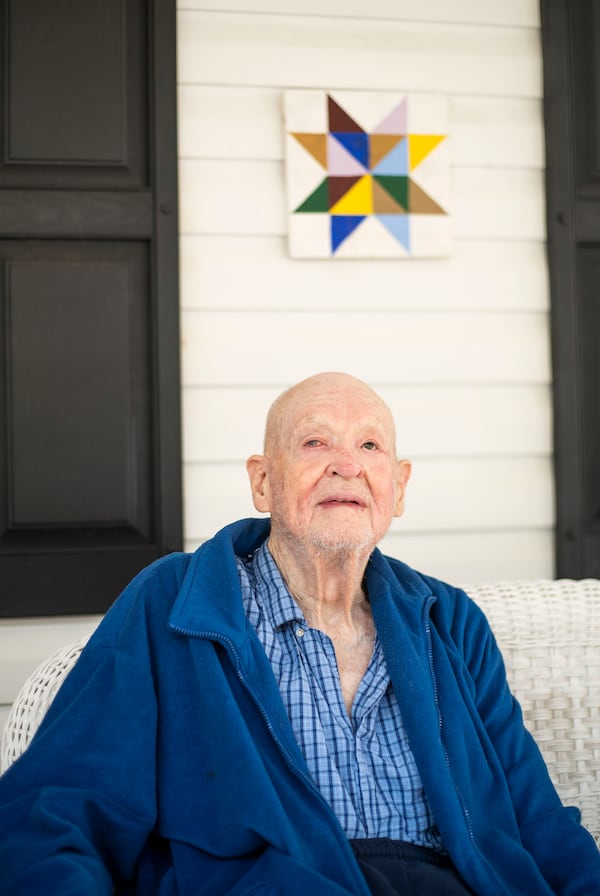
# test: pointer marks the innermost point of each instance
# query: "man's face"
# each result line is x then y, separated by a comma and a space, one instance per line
330, 479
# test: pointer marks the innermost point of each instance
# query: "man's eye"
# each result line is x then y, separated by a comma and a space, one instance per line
312, 443
370, 446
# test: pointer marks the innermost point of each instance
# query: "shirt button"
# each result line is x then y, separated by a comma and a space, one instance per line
299, 631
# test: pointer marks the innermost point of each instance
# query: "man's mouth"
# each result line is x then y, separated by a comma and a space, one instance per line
342, 501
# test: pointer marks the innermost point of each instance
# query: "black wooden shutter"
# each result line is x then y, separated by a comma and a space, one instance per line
90, 456
571, 39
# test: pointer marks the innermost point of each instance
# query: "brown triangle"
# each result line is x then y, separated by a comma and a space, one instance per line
380, 145
420, 203
315, 144
383, 204
339, 186
340, 121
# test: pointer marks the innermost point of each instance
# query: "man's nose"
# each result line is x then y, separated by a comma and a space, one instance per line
345, 464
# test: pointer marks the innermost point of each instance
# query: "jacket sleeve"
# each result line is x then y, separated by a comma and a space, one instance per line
77, 807
548, 829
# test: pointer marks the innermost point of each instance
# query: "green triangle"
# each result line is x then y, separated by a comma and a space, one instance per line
317, 201
396, 186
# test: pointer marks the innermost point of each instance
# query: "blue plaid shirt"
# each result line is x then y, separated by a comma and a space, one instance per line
363, 765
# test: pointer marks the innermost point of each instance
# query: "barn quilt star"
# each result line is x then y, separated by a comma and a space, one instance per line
368, 175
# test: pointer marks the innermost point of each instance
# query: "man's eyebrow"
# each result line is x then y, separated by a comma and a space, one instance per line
310, 426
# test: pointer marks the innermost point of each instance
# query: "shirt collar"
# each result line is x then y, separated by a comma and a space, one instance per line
278, 603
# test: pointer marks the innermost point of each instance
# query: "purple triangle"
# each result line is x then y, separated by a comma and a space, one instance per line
341, 163
395, 122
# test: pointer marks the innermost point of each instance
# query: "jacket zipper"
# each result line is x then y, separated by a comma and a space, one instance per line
232, 650
464, 807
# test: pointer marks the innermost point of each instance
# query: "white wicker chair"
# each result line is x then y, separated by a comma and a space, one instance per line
33, 700
549, 634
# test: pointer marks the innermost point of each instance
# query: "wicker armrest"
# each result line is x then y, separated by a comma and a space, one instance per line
33, 700
549, 635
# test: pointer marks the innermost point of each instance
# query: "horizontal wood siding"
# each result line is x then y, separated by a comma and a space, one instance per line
458, 346
461, 12
294, 50
479, 276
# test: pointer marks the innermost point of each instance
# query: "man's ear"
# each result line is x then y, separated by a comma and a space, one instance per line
403, 471
256, 465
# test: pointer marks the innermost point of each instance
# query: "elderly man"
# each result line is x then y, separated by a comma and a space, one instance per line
287, 711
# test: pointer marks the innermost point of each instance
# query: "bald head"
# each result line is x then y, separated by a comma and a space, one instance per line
329, 387
329, 475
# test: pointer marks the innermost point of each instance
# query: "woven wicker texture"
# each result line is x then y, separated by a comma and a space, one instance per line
33, 700
549, 634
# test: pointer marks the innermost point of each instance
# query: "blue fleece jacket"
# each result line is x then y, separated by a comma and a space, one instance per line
167, 764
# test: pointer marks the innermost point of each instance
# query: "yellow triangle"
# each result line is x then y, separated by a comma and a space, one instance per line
357, 201
420, 145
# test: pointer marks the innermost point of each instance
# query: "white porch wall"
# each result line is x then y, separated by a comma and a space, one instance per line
458, 347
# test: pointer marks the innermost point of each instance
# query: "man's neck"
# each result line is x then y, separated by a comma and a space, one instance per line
328, 588
327, 585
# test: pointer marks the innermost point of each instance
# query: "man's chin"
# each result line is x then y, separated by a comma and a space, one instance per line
343, 543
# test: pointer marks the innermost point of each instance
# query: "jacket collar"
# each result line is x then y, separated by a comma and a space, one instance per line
394, 588
213, 573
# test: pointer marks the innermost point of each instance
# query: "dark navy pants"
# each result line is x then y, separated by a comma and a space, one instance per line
393, 868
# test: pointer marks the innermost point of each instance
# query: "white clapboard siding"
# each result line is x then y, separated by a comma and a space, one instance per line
443, 495
229, 348
511, 12
478, 276
301, 51
492, 556
227, 424
234, 122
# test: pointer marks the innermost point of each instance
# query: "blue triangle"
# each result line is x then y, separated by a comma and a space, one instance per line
356, 144
341, 228
396, 161
398, 226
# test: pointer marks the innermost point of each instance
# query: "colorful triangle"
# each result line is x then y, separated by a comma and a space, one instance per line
383, 204
398, 226
420, 203
338, 187
379, 147
339, 120
357, 201
315, 144
356, 144
341, 228
420, 145
396, 161
394, 122
340, 161
318, 201
397, 187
